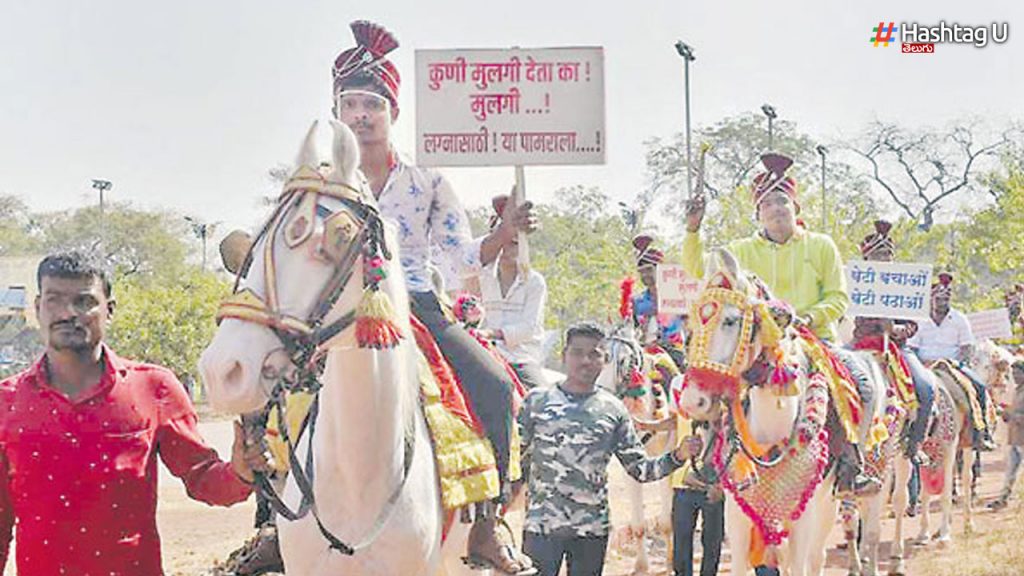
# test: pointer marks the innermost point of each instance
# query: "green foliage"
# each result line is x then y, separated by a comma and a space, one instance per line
136, 242
19, 235
167, 323
583, 251
982, 249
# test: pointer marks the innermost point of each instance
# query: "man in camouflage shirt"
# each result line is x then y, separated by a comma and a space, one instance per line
569, 433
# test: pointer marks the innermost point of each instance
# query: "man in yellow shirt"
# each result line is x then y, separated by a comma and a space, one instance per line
801, 267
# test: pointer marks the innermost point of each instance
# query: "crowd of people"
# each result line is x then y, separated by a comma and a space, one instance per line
80, 430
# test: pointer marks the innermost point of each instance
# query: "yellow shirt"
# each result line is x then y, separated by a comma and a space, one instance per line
806, 272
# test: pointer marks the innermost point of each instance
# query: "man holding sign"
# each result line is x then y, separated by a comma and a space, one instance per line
422, 204
876, 334
665, 330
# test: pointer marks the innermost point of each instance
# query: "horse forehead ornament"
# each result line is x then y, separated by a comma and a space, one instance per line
758, 325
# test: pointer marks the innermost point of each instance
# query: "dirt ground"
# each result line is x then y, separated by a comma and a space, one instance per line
196, 535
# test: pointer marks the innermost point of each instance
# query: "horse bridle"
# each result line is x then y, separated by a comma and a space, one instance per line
303, 340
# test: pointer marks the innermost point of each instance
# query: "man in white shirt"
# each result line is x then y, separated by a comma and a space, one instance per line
947, 335
423, 205
514, 309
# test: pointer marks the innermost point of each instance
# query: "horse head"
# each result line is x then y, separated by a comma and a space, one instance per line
734, 322
320, 274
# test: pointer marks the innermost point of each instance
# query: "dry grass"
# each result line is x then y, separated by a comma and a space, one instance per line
993, 550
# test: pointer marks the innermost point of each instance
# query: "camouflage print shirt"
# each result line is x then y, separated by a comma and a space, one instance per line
568, 440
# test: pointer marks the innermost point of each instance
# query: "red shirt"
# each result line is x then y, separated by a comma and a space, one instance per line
79, 476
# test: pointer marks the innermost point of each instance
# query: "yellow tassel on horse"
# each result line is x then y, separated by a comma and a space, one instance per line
375, 321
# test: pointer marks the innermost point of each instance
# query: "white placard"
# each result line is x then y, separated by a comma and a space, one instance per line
515, 107
991, 324
889, 289
677, 290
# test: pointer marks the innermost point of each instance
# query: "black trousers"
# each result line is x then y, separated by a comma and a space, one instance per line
584, 554
487, 385
686, 505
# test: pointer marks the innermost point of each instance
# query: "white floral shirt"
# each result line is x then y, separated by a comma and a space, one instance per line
424, 208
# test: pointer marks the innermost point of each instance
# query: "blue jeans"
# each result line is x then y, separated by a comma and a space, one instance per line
979, 387
859, 372
686, 505
914, 484
925, 390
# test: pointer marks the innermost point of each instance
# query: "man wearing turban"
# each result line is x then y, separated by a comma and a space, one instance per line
421, 202
800, 267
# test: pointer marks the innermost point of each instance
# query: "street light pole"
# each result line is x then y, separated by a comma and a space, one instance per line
202, 230
686, 51
769, 111
102, 186
822, 151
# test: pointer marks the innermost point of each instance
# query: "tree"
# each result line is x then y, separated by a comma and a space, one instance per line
138, 242
167, 323
19, 233
920, 170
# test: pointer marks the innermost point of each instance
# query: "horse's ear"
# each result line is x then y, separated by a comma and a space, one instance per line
345, 154
729, 262
307, 154
233, 250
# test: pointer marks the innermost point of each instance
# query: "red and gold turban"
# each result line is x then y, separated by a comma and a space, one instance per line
373, 43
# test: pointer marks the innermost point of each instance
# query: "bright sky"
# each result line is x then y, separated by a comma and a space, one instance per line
186, 104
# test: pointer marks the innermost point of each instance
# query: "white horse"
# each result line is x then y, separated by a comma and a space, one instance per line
731, 333
627, 376
950, 433
374, 478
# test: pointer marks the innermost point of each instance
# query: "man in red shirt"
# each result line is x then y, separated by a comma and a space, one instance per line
79, 435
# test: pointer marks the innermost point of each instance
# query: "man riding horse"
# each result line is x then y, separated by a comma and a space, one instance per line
946, 339
664, 331
427, 213
800, 267
889, 337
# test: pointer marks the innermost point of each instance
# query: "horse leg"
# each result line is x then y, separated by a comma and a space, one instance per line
808, 540
851, 521
942, 536
924, 498
975, 475
968, 498
637, 525
738, 526
664, 522
901, 474
871, 526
